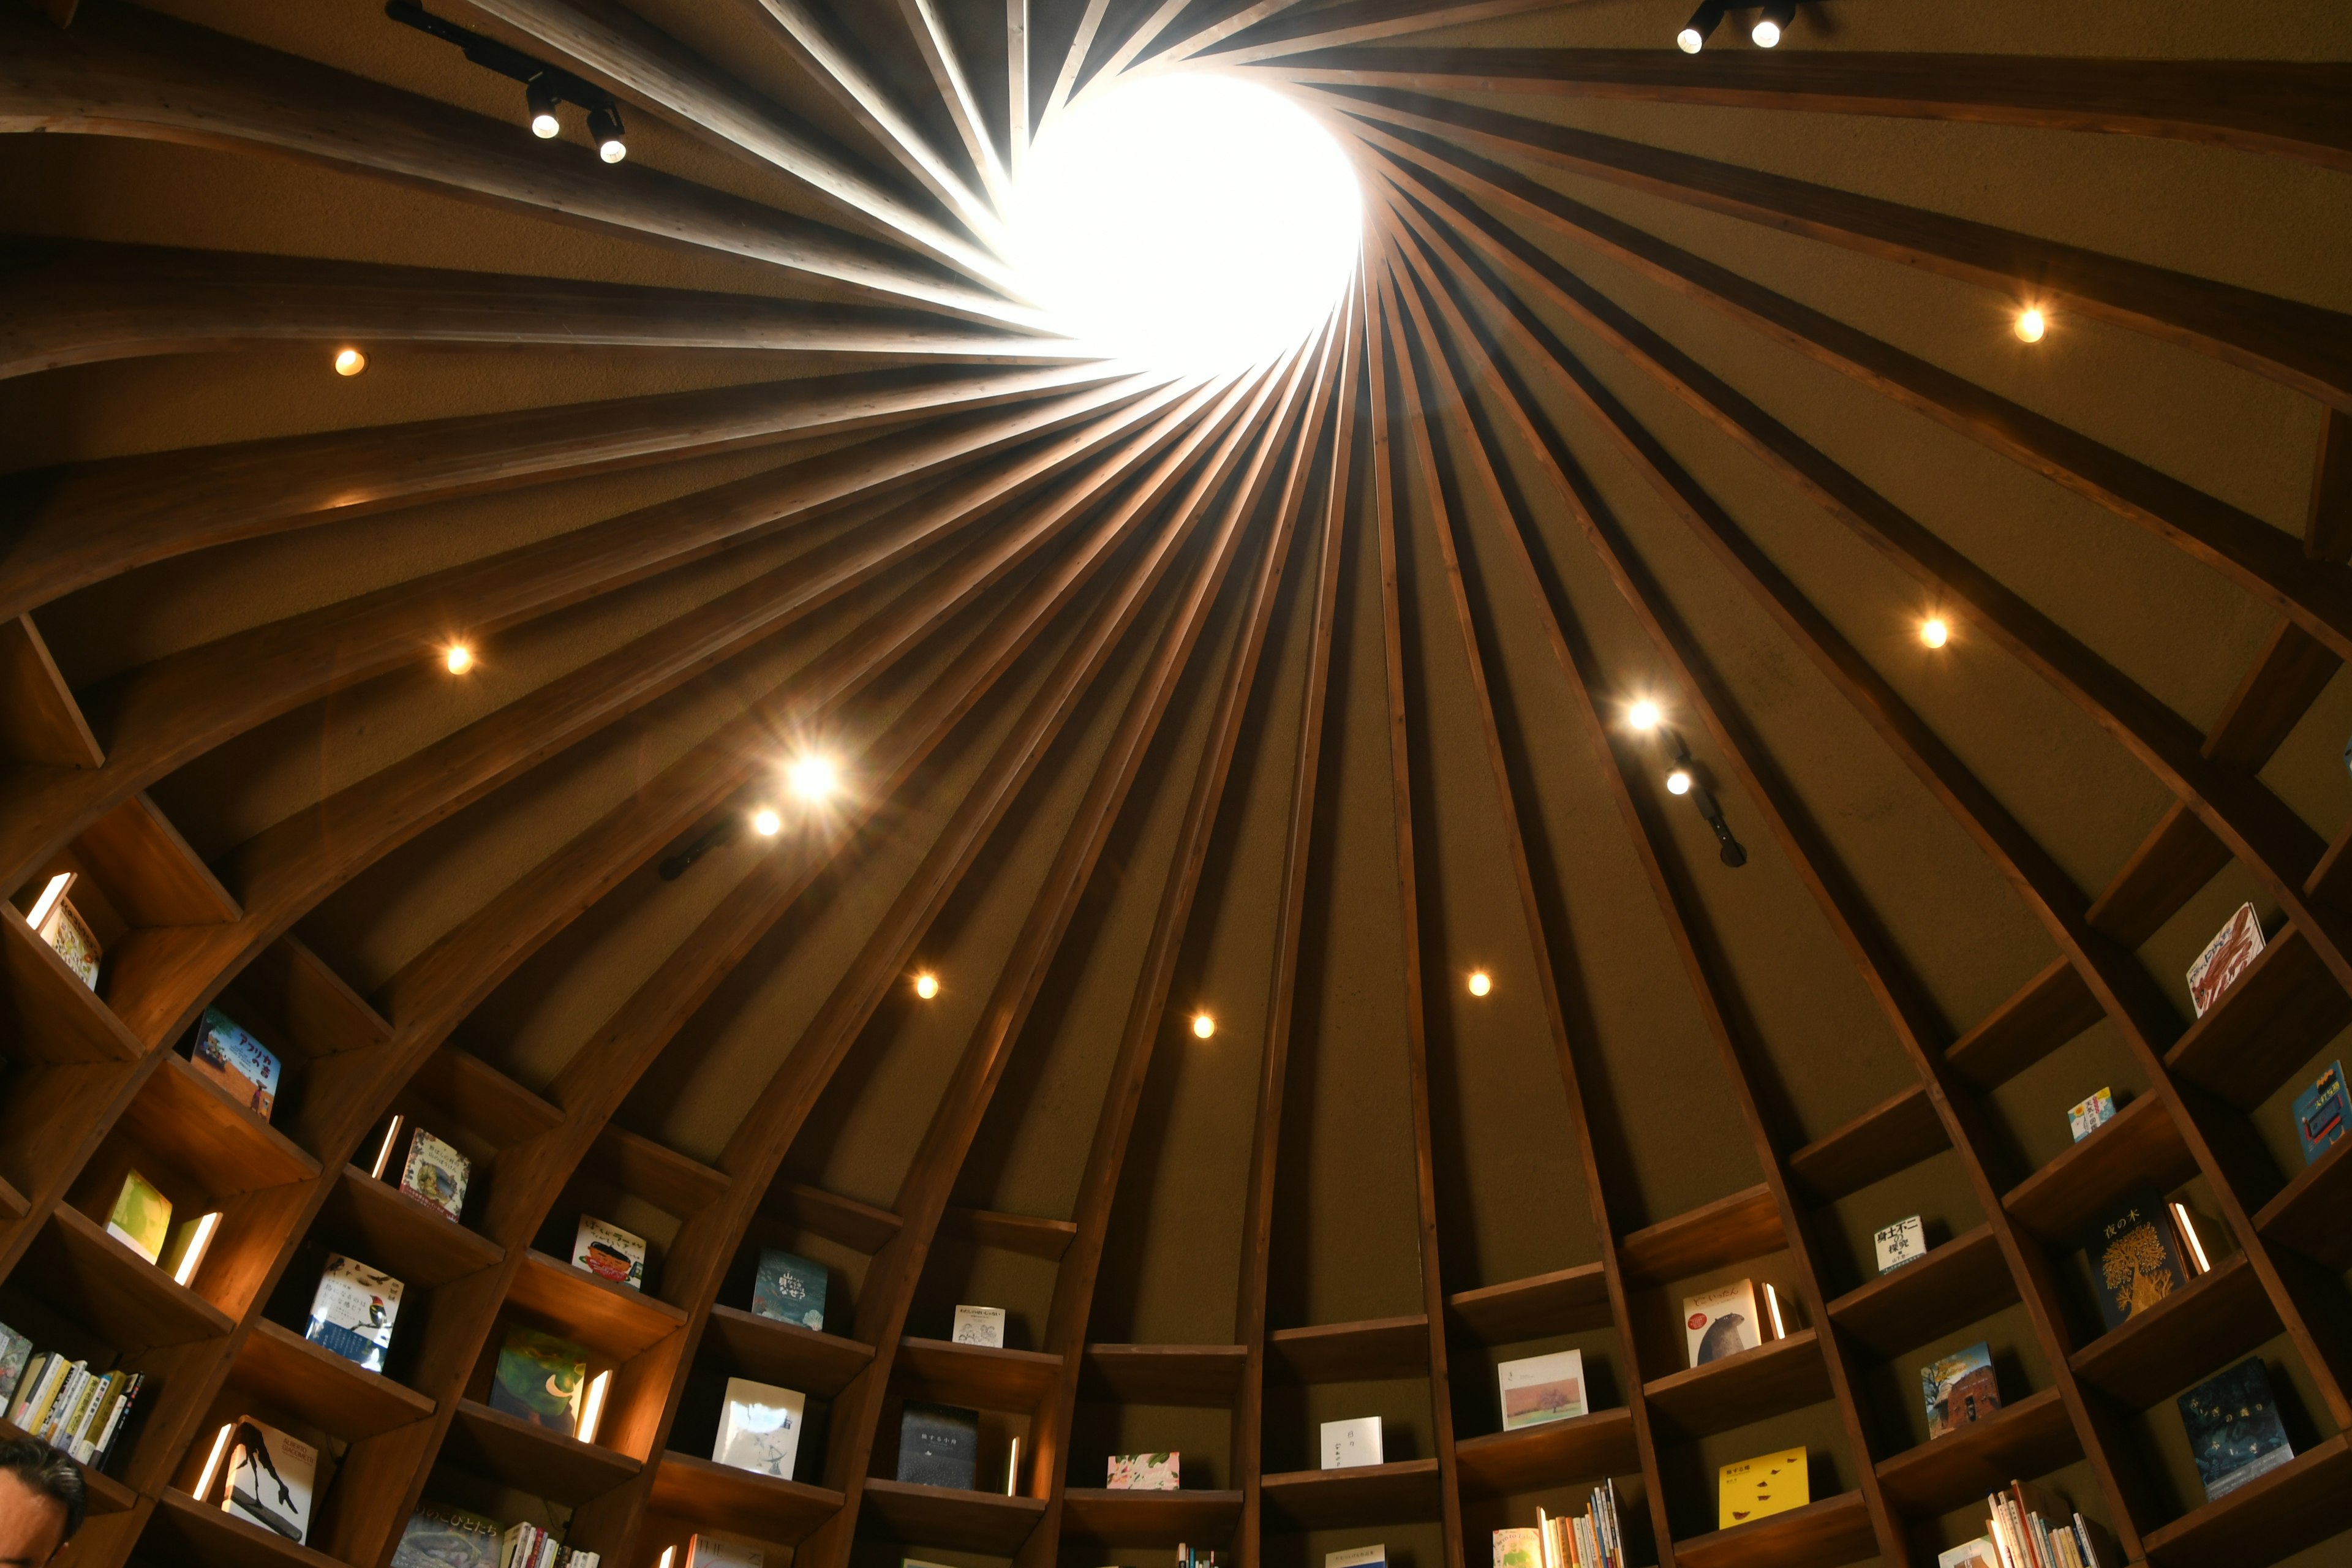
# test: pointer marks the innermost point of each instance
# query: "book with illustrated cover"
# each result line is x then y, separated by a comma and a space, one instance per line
2319, 1113
1755, 1489
980, 1326
939, 1445
2094, 1113
269, 1478
1358, 1557
610, 1253
436, 1174
16, 1352
760, 1429
2134, 1261
1541, 1388
789, 1288
1959, 1388
1904, 1241
1976, 1553
705, 1551
540, 1378
438, 1537
2230, 953
245, 1068
2233, 1428
353, 1310
1721, 1322
1144, 1473
1345, 1444
141, 1218
1519, 1547
58, 924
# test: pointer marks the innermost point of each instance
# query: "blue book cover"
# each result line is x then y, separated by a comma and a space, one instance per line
2319, 1113
939, 1445
2233, 1428
243, 1067
790, 1289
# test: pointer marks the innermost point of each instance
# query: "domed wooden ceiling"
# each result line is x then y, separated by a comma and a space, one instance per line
1286, 700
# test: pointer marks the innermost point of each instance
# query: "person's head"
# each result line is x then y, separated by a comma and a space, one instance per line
40, 1503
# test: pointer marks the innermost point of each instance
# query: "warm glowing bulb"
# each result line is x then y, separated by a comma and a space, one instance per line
544, 125
926, 986
1690, 38
765, 822
613, 150
1480, 983
1678, 782
1934, 633
1644, 715
1766, 33
350, 362
460, 658
592, 1406
2031, 325
1204, 1026
813, 778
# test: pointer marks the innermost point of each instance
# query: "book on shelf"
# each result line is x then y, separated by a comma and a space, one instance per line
1976, 1553
15, 1351
1721, 1322
269, 1476
1541, 1388
939, 1445
435, 1174
2028, 1527
1592, 1540
352, 1311
530, 1546
979, 1326
2093, 1113
73, 1406
440, 1537
1961, 1389
226, 1054
1345, 1444
2234, 1435
608, 1252
141, 1218
2230, 953
1144, 1472
2135, 1263
540, 1378
760, 1428
707, 1550
1754, 1489
1519, 1547
2319, 1113
1358, 1557
789, 1288
191, 1240
60, 925
1904, 1241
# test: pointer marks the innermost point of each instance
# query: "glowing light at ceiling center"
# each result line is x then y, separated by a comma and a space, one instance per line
1196, 222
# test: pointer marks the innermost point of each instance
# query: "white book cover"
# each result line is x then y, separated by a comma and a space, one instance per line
1347, 1444
1904, 1241
1976, 1553
760, 1430
980, 1326
1541, 1388
713, 1551
610, 1253
270, 1474
1722, 1322
1358, 1557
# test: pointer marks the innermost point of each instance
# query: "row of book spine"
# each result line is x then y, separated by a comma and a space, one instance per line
72, 1408
1593, 1541
2024, 1536
528, 1546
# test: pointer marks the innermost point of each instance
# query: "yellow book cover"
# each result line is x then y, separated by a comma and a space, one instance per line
1768, 1484
141, 1219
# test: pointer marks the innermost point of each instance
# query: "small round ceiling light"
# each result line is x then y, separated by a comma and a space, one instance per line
1481, 982
813, 778
541, 101
1678, 782
1695, 32
927, 985
766, 823
459, 659
350, 362
605, 130
1935, 632
2031, 324
1204, 1026
1772, 24
1645, 715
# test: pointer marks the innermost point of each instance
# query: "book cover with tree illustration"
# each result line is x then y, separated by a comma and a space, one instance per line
2134, 1262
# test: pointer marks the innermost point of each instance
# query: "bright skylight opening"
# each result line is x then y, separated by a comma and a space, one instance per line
1192, 221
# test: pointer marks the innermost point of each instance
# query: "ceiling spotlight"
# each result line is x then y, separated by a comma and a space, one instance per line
927, 985
460, 658
1772, 23
813, 778
1480, 983
1678, 782
1933, 631
1204, 1026
605, 130
540, 97
1693, 35
350, 362
766, 823
1644, 715
2031, 324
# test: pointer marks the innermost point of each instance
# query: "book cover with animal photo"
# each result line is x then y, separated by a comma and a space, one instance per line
1959, 1388
271, 1475
1541, 1388
789, 1288
1144, 1473
436, 1174
226, 1054
352, 1311
540, 1378
2230, 953
2134, 1261
440, 1537
1721, 1322
610, 1253
760, 1429
2234, 1435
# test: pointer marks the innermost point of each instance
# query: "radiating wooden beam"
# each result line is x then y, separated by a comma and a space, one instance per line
936, 48
1016, 87
1074, 60
1288, 31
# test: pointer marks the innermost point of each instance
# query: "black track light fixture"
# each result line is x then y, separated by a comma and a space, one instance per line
541, 100
1701, 27
1683, 781
543, 86
1772, 21
605, 131
726, 830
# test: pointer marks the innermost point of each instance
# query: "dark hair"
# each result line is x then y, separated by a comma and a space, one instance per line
45, 1473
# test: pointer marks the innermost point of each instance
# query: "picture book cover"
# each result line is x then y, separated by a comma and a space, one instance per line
1541, 1388
1758, 1488
352, 1311
540, 1378
436, 1174
980, 1326
2229, 955
70, 938
2134, 1263
1721, 1322
939, 1445
141, 1219
2233, 1428
245, 1068
1976, 1553
1144, 1473
15, 1351
438, 1537
1519, 1547
2319, 1113
789, 1288
1347, 1444
2094, 1113
760, 1429
1904, 1241
1960, 1389
1358, 1557
269, 1478
705, 1551
610, 1253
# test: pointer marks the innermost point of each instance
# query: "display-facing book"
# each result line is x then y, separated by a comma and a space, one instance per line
352, 1311
939, 1445
608, 1252
789, 1288
1721, 1322
269, 1476
226, 1054
436, 1174
760, 1428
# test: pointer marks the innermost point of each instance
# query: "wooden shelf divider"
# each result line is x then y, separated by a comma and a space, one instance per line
2139, 1147
978, 1375
2019, 1441
1714, 1236
1403, 1493
323, 1388
1374, 1350
713, 1495
1964, 1279
1892, 1135
1549, 1453
2262, 1028
773, 1351
1776, 1376
1164, 1375
533, 1459
2307, 1214
1819, 1535
1150, 1518
1565, 1301
942, 1516
2199, 1329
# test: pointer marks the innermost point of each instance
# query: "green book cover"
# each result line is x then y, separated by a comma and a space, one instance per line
141, 1219
540, 1378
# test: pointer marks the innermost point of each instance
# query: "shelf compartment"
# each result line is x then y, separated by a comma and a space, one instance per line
184, 1531
2030, 1438
323, 1388
2047, 1011
1954, 1284
1046, 1239
40, 722
1205, 1375
84, 1273
419, 1246
533, 1459
2207, 1324
48, 1011
2283, 1007
1565, 1301
1150, 1518
1372, 1351
612, 1318
1892, 1135
101, 1493
1546, 1455
293, 988
661, 1175
2139, 1147
1406, 1492
229, 1148
771, 1351
2269, 1518
1729, 1230
862, 1227
1818, 1535
943, 1516
977, 1376
2308, 1216
1776, 1376
721, 1497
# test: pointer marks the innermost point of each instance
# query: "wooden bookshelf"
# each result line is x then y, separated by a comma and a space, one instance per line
2307, 1214
183, 1530
1371, 1351
1776, 1376
1150, 1518
719, 1496
1549, 1453
416, 1244
2049, 1010
854, 1225
55, 1018
768, 1351
1164, 1375
2269, 1518
2029, 1437
2264, 1026
2139, 1147
662, 1177
1403, 1493
40, 722
1957, 1283
2199, 1329
1565, 1301
1046, 1239
320, 1387
1892, 1135
979, 1375
533, 1459
610, 1318
131, 1304
939, 1515
179, 1111
1745, 1225
1819, 1535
